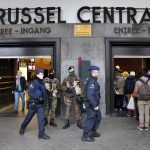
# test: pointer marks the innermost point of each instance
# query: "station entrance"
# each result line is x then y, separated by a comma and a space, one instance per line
128, 53
126, 65
25, 55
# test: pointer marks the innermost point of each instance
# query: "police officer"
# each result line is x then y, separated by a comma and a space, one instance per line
92, 101
37, 94
73, 90
53, 86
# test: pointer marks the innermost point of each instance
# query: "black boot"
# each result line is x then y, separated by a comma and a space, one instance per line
87, 137
44, 136
52, 123
45, 121
95, 134
21, 132
66, 125
79, 124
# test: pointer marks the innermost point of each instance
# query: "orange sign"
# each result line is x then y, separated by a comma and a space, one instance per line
82, 30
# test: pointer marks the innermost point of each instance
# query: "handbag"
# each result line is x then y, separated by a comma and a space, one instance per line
131, 103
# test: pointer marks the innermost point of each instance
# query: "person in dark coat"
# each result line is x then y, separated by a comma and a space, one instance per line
129, 89
37, 94
92, 101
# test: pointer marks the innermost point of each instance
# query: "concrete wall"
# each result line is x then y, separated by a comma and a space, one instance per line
88, 48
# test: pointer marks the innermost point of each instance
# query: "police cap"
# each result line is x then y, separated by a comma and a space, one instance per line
92, 68
38, 71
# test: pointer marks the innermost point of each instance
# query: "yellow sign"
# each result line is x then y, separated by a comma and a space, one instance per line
82, 30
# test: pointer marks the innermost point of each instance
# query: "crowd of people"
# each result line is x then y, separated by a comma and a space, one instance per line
132, 93
44, 94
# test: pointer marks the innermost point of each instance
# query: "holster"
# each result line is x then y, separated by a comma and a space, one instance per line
31, 104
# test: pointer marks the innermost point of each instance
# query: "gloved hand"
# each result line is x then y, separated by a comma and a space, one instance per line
78, 90
75, 83
55, 93
68, 84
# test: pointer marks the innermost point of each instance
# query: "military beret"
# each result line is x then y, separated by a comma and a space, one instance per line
38, 71
92, 68
71, 68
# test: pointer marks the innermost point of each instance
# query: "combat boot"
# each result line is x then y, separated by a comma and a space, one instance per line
45, 121
66, 125
79, 124
87, 137
44, 137
94, 133
52, 123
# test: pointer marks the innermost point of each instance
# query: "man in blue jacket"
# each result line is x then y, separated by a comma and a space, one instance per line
37, 94
92, 101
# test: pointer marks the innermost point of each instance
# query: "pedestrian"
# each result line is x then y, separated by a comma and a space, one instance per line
92, 101
53, 86
129, 89
19, 87
142, 91
37, 94
73, 89
119, 90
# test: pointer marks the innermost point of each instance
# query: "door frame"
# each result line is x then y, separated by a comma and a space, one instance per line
53, 42
109, 63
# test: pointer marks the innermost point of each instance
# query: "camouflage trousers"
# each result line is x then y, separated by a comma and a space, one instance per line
51, 110
69, 102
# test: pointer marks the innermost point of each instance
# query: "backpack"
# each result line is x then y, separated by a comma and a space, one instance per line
144, 91
129, 86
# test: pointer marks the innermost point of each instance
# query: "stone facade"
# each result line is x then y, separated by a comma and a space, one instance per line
88, 48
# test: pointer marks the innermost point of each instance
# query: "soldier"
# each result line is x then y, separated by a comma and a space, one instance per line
92, 101
53, 86
37, 94
73, 90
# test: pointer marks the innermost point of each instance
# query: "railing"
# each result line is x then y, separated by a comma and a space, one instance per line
10, 87
1, 77
6, 82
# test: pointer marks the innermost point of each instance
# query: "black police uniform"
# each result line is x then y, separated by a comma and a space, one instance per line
37, 96
92, 100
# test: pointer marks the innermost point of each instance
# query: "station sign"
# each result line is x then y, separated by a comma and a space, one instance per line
97, 14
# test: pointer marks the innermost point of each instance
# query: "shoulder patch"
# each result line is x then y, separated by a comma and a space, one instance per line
92, 86
31, 86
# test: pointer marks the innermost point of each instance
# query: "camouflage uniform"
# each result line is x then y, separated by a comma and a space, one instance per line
71, 97
55, 90
53, 85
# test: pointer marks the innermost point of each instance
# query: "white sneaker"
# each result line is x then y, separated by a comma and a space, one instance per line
140, 128
146, 128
